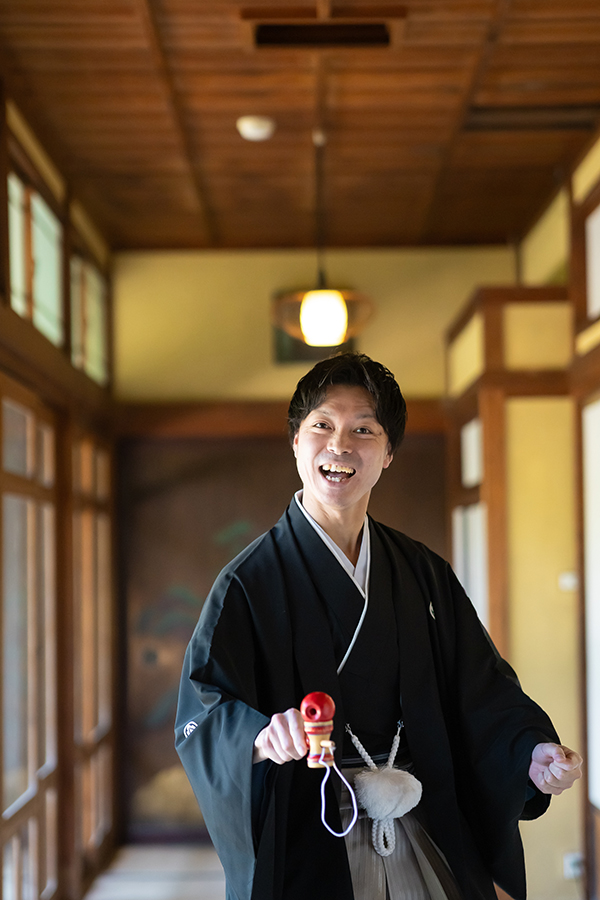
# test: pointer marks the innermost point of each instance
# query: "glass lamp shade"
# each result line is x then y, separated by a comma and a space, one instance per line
321, 318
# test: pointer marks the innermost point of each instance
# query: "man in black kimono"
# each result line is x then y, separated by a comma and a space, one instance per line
329, 600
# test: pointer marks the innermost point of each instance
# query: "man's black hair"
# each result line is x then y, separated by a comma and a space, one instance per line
355, 370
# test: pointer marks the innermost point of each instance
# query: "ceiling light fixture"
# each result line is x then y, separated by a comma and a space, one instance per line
322, 317
256, 128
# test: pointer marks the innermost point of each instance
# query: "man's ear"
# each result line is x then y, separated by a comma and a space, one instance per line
389, 457
295, 444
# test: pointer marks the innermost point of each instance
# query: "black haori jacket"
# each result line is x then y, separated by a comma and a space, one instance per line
264, 641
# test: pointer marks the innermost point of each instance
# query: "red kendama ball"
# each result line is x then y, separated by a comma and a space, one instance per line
317, 707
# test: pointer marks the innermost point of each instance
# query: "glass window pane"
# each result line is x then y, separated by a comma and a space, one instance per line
77, 310
17, 439
77, 689
17, 515
45, 448
471, 453
29, 861
46, 630
29, 856
86, 624
9, 869
104, 619
47, 271
592, 247
95, 326
591, 506
16, 229
51, 843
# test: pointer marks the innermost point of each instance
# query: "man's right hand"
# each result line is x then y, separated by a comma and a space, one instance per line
282, 740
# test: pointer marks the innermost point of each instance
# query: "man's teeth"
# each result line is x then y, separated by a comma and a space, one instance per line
339, 470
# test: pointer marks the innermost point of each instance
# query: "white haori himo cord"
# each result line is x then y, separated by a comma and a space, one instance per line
326, 745
385, 794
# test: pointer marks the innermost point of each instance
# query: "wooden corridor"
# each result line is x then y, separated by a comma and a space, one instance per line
161, 872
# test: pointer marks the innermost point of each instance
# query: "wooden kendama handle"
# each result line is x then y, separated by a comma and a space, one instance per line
317, 710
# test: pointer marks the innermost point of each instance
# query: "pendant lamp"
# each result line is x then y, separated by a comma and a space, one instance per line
323, 316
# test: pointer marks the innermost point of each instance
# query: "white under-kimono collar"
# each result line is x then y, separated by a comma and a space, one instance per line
359, 573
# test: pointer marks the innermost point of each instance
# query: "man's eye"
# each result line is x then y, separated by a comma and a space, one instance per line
363, 430
320, 425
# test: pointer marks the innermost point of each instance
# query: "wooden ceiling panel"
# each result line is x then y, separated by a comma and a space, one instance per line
377, 82
552, 30
440, 32
385, 158
455, 133
458, 213
515, 149
394, 216
539, 96
554, 9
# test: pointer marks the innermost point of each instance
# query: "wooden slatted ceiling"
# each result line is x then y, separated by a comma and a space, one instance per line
427, 142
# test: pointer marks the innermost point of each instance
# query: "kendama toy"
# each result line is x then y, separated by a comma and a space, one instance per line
318, 710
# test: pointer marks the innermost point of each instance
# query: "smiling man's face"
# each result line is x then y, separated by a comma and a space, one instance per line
341, 450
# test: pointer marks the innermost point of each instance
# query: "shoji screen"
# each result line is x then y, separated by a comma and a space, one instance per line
591, 492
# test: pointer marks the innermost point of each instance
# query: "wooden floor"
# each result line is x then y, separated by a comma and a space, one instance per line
162, 872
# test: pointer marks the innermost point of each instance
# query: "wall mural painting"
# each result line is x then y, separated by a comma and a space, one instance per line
188, 507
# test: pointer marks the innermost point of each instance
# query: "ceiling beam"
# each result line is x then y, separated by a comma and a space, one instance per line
188, 150
477, 72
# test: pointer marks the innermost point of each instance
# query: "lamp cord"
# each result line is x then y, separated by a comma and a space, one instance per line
319, 141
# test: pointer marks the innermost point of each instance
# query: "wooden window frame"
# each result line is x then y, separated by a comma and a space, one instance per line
44, 776
54, 362
79, 405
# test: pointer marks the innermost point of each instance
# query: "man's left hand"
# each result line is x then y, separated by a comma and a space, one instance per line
554, 768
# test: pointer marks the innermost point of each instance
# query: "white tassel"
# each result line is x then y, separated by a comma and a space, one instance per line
385, 794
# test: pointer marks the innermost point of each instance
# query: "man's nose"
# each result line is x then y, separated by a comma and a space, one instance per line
339, 442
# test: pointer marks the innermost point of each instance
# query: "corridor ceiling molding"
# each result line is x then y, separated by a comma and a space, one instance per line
457, 131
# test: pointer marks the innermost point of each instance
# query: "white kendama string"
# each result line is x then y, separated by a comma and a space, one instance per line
325, 746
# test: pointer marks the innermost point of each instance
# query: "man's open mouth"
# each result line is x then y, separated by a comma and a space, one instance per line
333, 472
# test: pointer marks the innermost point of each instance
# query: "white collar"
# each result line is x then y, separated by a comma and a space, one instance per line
359, 573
